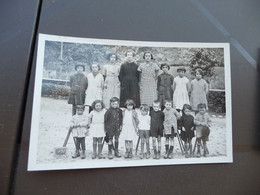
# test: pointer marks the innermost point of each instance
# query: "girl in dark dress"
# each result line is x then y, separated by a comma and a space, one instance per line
187, 128
78, 86
164, 85
129, 79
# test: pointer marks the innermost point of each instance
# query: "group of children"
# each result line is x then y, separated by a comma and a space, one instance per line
170, 114
148, 122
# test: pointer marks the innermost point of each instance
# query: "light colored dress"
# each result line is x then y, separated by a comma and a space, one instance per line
148, 85
180, 95
81, 122
199, 90
112, 83
97, 127
95, 88
128, 128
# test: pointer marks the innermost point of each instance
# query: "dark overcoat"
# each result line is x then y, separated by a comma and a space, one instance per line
78, 86
113, 121
129, 87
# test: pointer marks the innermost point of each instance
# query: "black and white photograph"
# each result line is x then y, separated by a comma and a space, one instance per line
101, 103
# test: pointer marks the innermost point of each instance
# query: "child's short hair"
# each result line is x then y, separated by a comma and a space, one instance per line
181, 69
144, 107
96, 102
200, 71
129, 102
167, 101
111, 54
149, 53
95, 64
77, 65
114, 99
164, 64
202, 105
80, 107
186, 106
156, 102
130, 51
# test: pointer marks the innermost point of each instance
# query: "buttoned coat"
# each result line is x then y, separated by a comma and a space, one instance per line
78, 86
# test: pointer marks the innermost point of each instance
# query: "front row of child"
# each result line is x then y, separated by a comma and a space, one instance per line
111, 123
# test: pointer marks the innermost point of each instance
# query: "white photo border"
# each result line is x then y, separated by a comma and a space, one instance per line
32, 164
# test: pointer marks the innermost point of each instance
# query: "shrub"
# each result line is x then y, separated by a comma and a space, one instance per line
54, 90
216, 101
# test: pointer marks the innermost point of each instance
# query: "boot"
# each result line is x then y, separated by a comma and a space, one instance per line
198, 151
204, 150
131, 153
204, 153
166, 151
110, 155
158, 155
186, 151
191, 150
76, 154
94, 155
142, 151
154, 153
170, 154
83, 155
116, 150
100, 151
127, 153
148, 151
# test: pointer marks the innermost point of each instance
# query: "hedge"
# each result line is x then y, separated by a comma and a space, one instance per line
216, 101
54, 90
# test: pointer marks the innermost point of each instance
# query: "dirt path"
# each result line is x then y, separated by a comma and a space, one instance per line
54, 122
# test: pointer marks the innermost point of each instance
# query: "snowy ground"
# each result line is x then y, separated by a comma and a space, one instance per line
55, 115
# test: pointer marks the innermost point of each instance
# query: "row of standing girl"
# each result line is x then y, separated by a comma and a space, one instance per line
149, 123
141, 83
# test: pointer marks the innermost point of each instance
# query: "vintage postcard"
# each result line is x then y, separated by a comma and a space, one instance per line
112, 103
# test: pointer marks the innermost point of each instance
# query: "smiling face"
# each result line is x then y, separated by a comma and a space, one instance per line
94, 68
114, 104
112, 58
98, 107
148, 57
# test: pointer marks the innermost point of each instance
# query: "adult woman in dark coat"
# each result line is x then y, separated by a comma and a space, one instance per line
129, 79
78, 86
